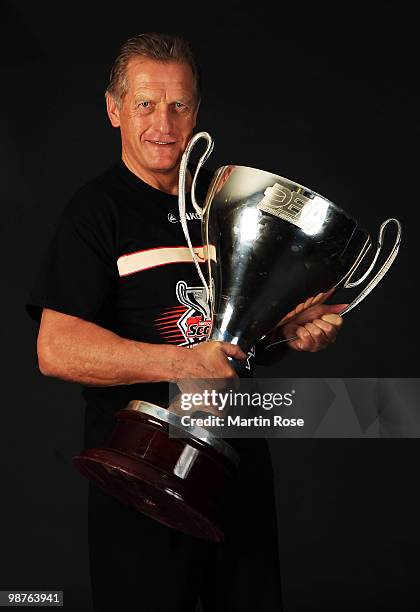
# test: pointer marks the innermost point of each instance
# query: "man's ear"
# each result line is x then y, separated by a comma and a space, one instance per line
112, 110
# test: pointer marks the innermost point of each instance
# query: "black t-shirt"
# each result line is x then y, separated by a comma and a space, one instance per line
119, 259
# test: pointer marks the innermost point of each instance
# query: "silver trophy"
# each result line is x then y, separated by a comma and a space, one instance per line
277, 244
269, 245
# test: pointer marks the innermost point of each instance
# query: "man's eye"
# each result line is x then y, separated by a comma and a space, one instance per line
180, 105
144, 104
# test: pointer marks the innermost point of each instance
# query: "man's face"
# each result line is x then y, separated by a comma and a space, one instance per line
156, 116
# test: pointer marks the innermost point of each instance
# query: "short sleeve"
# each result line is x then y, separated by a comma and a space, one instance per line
79, 270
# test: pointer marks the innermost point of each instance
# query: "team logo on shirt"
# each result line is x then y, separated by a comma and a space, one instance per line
195, 324
188, 323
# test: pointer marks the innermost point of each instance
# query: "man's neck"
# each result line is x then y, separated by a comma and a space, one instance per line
166, 182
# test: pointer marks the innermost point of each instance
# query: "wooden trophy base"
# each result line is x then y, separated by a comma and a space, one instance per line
178, 481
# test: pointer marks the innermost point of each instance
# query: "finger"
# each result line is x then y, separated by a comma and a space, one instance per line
295, 344
289, 315
300, 343
333, 319
329, 293
333, 308
309, 302
299, 308
317, 312
232, 350
319, 299
320, 340
330, 330
306, 341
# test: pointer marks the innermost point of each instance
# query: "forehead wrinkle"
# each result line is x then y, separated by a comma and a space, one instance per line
173, 76
173, 86
149, 91
162, 92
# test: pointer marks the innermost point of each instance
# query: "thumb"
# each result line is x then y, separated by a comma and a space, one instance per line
333, 308
332, 314
315, 312
232, 350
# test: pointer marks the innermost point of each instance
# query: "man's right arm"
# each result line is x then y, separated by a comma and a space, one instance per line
77, 350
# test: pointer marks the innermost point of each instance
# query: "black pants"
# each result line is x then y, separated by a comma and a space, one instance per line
139, 565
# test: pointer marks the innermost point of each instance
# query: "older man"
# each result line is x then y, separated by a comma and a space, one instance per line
108, 299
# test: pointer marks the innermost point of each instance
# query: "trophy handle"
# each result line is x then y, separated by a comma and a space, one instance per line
381, 272
374, 281
181, 197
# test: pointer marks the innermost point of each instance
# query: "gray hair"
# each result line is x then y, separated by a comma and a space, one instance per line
153, 45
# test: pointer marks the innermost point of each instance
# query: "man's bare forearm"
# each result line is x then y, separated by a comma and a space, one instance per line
79, 351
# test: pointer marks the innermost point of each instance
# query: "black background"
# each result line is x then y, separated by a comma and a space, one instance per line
320, 92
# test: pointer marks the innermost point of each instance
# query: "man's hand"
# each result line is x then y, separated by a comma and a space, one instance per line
209, 360
316, 327
206, 367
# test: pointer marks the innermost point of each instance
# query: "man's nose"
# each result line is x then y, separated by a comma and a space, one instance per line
163, 119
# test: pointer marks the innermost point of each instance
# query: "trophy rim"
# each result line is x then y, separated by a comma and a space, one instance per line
284, 178
204, 435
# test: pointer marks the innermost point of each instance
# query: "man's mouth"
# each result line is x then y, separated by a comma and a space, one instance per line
162, 142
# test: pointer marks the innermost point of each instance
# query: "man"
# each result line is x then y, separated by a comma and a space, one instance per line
110, 291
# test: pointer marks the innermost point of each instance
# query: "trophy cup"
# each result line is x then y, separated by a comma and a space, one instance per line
270, 244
